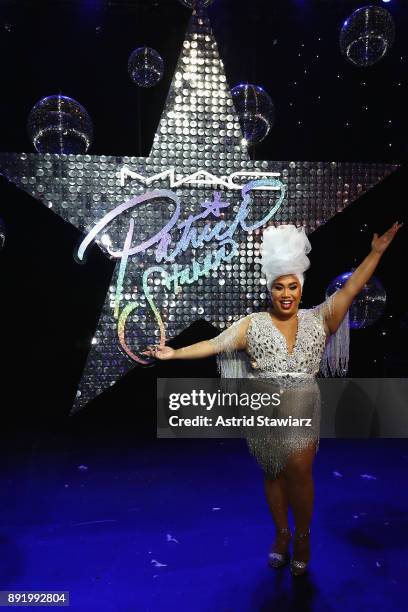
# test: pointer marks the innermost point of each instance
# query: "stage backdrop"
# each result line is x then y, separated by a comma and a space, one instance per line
183, 224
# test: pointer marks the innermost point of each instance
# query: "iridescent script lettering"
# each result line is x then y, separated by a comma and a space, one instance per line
173, 275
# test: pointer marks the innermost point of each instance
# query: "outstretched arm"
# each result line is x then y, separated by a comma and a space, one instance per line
233, 338
343, 298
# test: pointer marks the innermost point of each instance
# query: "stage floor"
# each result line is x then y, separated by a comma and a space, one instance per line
183, 525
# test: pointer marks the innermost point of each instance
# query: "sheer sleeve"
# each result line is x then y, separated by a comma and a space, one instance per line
231, 361
335, 359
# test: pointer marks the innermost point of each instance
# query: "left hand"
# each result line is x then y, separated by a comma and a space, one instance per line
380, 243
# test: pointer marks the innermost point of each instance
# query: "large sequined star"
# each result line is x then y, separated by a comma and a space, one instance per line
175, 262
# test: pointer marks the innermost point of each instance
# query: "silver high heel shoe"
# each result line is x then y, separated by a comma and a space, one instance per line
276, 559
299, 567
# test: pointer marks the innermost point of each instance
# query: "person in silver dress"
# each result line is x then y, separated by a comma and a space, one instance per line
287, 347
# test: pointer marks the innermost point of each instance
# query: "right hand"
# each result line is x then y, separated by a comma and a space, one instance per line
381, 243
159, 352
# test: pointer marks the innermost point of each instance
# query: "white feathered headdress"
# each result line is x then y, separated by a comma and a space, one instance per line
284, 251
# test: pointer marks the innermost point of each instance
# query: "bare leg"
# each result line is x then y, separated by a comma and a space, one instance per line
277, 498
299, 477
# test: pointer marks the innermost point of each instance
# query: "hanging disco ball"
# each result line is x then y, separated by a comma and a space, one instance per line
255, 110
2, 234
196, 3
367, 35
59, 124
145, 67
369, 304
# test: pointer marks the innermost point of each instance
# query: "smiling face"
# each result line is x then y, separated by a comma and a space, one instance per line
286, 292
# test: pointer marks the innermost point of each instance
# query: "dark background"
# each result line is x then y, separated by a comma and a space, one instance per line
335, 111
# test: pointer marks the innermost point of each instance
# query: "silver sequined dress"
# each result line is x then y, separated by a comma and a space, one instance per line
268, 362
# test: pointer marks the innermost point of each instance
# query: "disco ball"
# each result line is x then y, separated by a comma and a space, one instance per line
58, 124
196, 3
255, 112
367, 35
369, 304
145, 67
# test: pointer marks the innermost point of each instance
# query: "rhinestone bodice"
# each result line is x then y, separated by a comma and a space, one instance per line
268, 351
